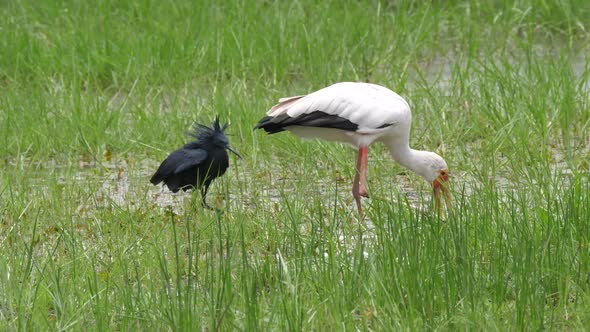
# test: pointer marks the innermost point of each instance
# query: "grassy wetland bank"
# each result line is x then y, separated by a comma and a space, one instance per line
93, 95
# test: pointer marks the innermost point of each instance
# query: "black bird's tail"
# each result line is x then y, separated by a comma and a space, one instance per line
156, 178
269, 126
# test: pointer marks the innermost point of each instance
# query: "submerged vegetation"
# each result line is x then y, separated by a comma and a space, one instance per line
93, 96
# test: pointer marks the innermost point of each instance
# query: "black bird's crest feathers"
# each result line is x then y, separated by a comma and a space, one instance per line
205, 133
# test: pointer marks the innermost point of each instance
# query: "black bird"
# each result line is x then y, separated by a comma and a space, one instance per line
197, 163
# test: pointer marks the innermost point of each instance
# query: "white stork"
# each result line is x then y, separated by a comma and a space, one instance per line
359, 114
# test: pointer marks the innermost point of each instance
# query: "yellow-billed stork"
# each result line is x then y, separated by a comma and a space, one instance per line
359, 114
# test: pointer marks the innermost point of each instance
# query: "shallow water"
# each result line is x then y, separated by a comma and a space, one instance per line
124, 183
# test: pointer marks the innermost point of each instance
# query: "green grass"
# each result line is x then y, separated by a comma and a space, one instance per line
93, 96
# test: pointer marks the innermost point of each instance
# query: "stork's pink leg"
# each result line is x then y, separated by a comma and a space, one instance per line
359, 187
364, 151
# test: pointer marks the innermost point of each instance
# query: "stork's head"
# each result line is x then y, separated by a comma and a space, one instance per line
434, 169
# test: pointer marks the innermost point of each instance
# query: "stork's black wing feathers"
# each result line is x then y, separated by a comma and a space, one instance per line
314, 119
177, 162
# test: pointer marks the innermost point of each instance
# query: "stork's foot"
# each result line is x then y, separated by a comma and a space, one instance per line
359, 207
357, 198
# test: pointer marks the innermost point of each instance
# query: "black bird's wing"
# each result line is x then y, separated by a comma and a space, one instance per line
177, 162
190, 158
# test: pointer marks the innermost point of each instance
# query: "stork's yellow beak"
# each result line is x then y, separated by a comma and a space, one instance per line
441, 185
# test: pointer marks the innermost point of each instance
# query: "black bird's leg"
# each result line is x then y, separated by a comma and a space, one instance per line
204, 195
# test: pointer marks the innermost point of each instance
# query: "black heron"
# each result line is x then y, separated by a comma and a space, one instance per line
197, 163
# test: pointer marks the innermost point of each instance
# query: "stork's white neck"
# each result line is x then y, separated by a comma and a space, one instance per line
414, 160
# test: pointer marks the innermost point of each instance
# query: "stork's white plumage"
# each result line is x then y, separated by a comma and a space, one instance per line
359, 114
